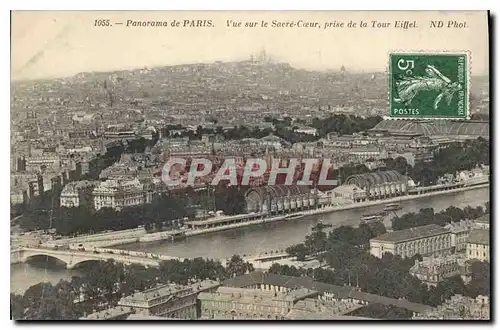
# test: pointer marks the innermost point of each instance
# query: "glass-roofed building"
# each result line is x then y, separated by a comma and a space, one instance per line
455, 129
279, 198
380, 184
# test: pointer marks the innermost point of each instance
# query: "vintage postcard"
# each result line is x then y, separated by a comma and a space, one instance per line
232, 165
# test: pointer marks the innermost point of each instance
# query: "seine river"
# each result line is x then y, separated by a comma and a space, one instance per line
251, 240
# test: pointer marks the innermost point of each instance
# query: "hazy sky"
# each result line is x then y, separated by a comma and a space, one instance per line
54, 44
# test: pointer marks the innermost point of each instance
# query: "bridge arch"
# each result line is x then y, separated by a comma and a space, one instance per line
35, 256
83, 263
74, 258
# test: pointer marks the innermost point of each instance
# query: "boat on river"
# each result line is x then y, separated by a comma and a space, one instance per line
366, 219
392, 207
294, 216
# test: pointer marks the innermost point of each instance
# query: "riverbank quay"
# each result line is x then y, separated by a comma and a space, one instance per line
224, 223
318, 211
330, 209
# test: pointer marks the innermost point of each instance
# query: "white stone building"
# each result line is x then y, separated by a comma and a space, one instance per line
362, 154
459, 233
118, 193
46, 160
172, 301
307, 130
434, 270
429, 240
337, 299
77, 193
229, 303
478, 245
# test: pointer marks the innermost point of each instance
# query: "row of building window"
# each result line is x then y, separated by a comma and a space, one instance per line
476, 246
234, 316
237, 306
471, 253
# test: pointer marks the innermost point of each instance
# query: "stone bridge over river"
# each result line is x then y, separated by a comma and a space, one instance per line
73, 258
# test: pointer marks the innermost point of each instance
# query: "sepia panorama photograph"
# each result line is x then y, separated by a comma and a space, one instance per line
218, 165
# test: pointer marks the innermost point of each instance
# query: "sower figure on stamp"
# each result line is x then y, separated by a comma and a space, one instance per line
408, 87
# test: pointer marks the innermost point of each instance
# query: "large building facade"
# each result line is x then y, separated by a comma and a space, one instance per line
454, 129
77, 193
279, 198
120, 193
47, 161
478, 245
173, 301
349, 192
229, 303
459, 233
434, 270
429, 240
339, 300
379, 185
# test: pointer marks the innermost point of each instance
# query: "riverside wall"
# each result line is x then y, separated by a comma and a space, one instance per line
140, 235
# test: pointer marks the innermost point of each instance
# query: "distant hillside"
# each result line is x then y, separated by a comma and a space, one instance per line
215, 84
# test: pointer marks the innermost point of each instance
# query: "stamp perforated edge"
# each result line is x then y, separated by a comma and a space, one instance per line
429, 52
